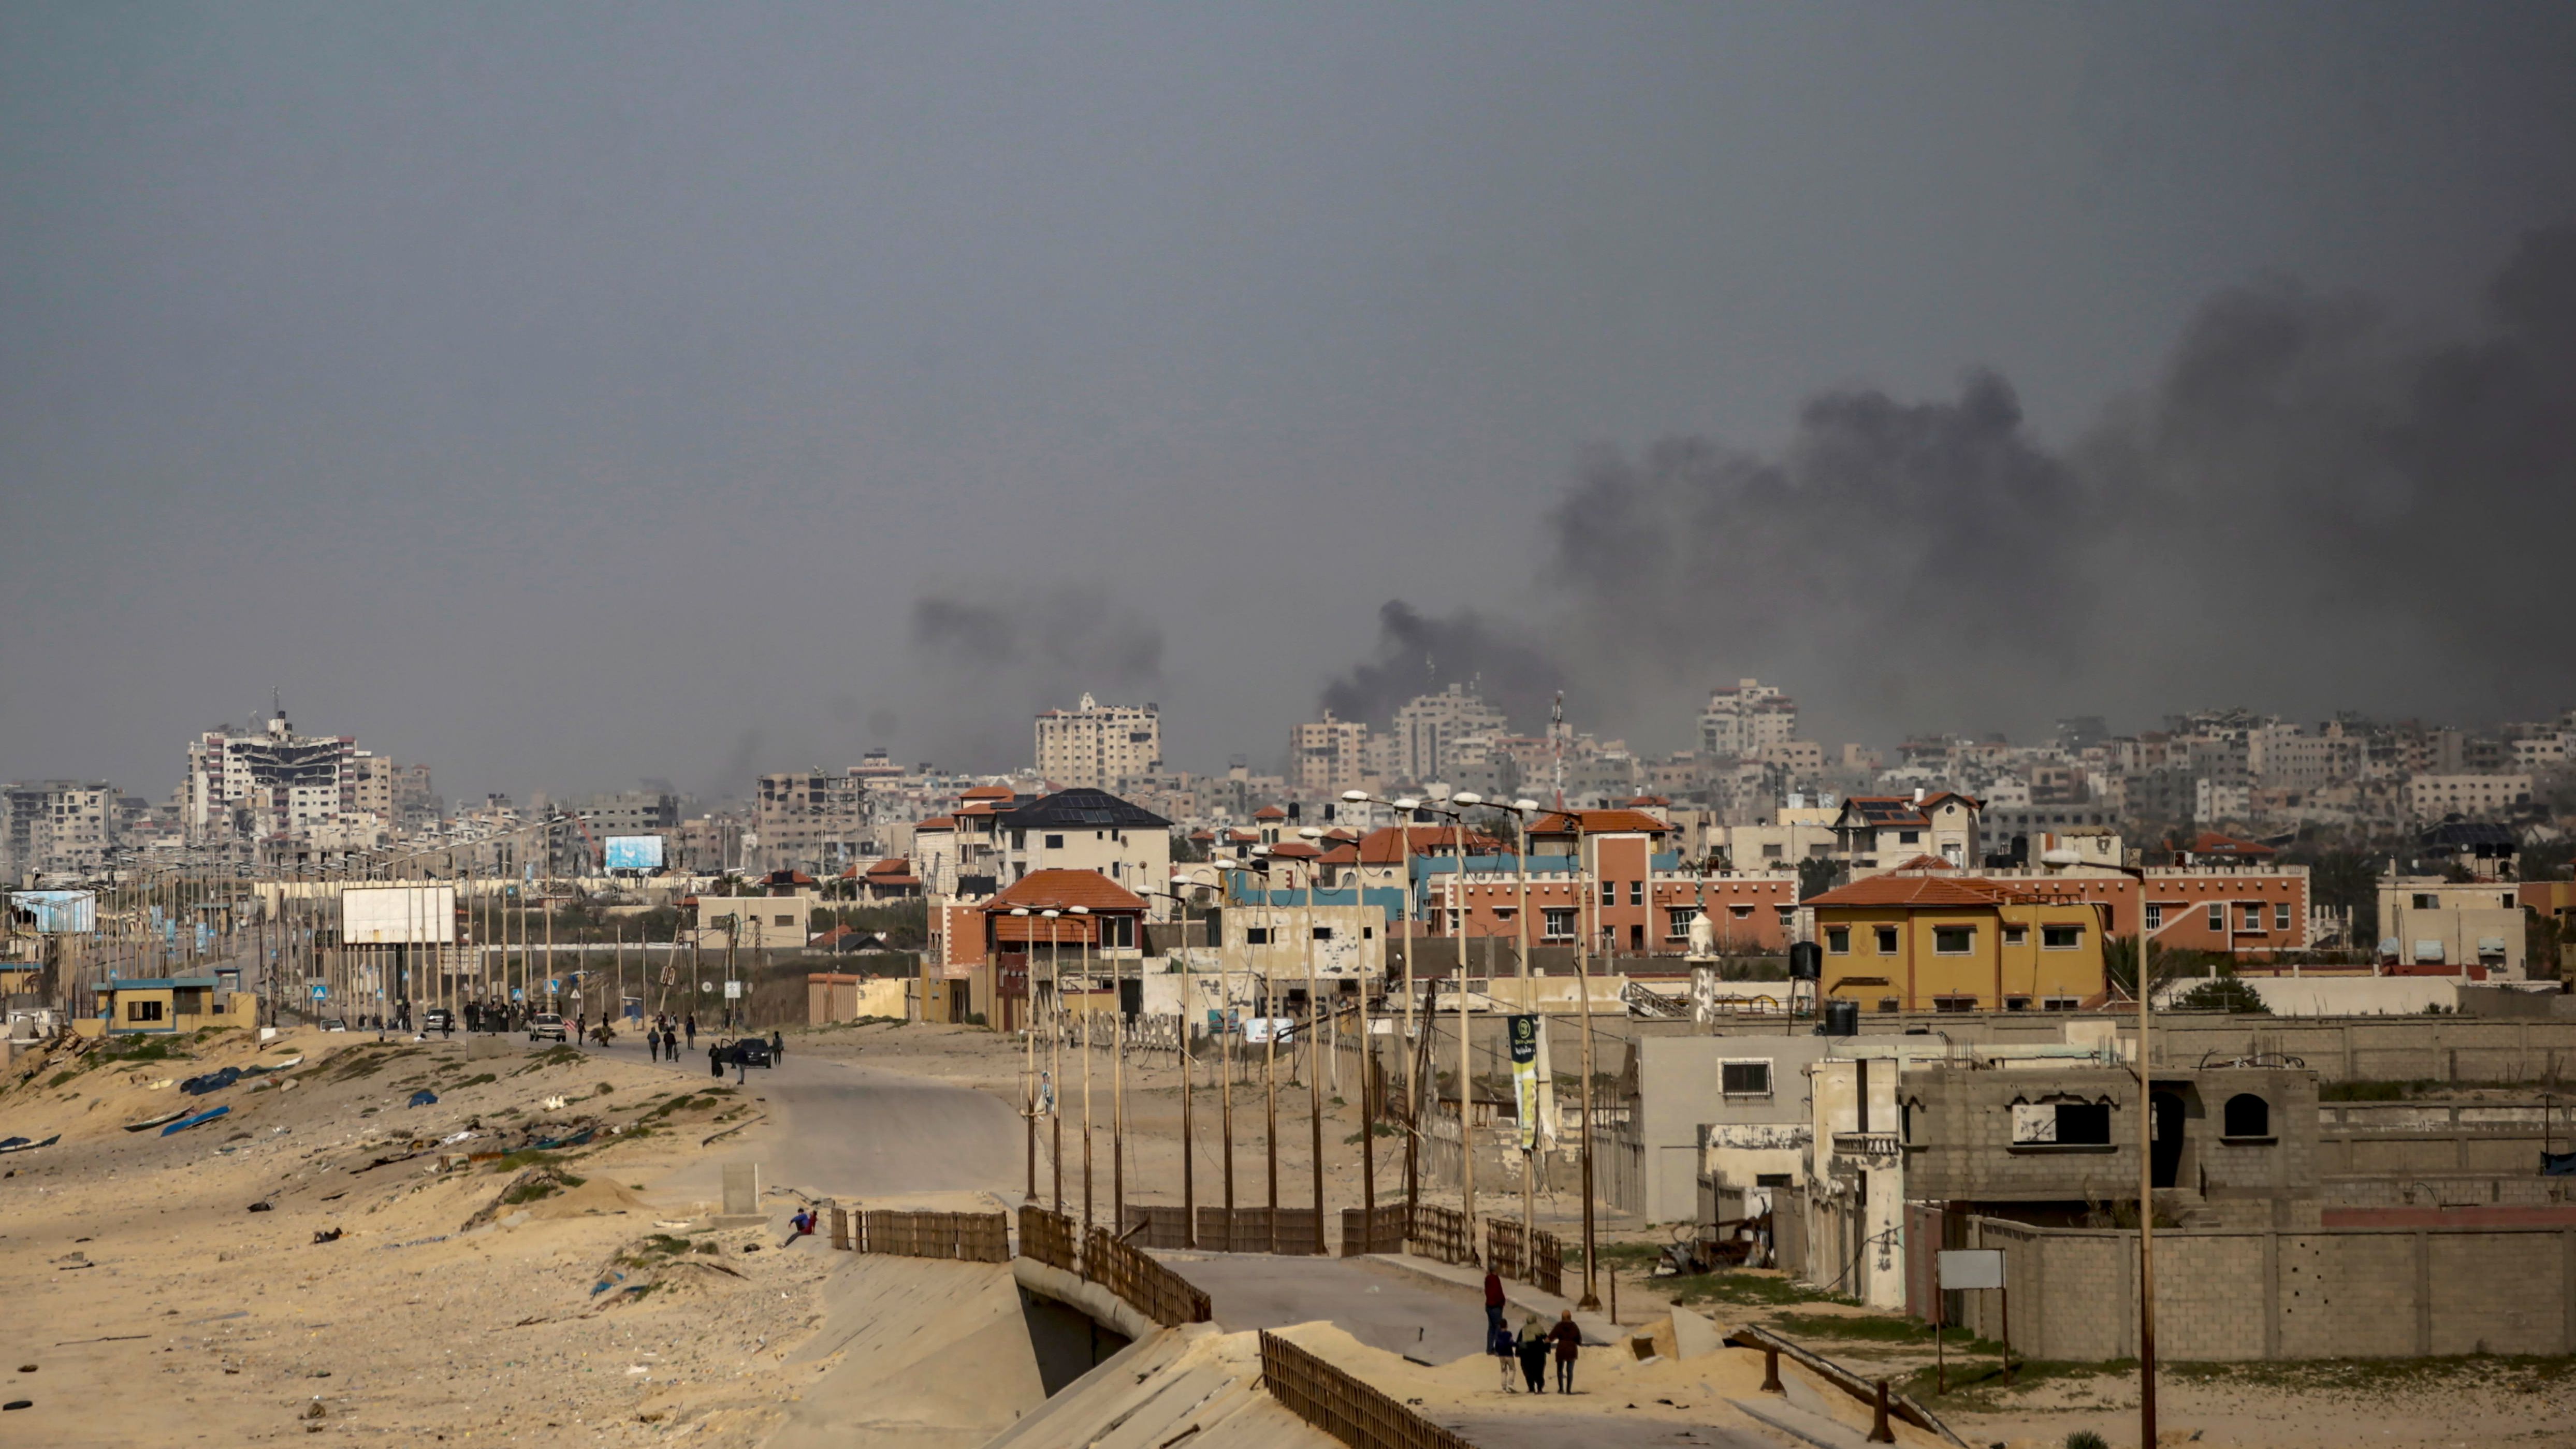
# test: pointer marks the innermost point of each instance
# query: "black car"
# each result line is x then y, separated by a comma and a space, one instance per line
751, 1051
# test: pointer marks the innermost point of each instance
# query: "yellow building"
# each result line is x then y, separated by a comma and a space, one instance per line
1939, 942
168, 1005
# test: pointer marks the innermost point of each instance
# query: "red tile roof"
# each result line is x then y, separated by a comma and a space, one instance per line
936, 822
1294, 850
1381, 847
2210, 842
1342, 854
1062, 889
892, 865
1916, 892
1599, 822
1269, 812
989, 792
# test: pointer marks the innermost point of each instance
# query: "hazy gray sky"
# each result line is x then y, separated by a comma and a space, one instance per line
562, 394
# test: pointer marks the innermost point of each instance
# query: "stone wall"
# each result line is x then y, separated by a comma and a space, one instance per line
2272, 1294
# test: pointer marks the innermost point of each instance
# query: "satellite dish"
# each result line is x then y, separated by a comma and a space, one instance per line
2061, 856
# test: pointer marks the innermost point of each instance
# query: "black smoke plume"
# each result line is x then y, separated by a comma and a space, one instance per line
2311, 508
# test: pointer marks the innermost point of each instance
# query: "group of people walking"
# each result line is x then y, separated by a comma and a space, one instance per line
662, 1037
1532, 1346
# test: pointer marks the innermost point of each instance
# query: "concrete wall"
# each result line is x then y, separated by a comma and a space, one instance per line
2400, 1139
2269, 1294
2347, 1049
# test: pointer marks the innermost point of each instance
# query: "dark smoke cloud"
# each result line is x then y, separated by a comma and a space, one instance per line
999, 655
1417, 654
2311, 508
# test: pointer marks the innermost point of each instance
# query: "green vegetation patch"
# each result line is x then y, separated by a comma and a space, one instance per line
1746, 1290
558, 1055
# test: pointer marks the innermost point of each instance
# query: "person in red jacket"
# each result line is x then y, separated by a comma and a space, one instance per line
1567, 1339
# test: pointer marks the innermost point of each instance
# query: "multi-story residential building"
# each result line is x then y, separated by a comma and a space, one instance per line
2431, 797
1884, 832
1093, 746
1747, 719
276, 782
1327, 756
2284, 757
2533, 753
2468, 928
58, 827
815, 820
1085, 830
1429, 729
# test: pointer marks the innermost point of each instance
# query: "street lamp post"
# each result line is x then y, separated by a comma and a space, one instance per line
1520, 811
1029, 1069
1055, 1059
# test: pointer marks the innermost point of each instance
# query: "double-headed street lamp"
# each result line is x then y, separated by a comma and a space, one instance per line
1189, 1137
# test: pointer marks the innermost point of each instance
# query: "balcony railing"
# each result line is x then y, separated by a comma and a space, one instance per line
1867, 1144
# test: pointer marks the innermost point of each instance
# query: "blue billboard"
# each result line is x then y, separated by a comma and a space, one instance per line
633, 852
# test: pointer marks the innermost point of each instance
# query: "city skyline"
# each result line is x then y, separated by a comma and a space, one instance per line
567, 399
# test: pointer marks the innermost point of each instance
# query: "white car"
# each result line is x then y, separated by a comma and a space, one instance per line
548, 1024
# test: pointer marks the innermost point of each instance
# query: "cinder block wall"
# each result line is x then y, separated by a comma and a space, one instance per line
2269, 1294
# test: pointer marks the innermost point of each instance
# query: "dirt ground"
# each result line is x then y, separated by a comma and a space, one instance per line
151, 1305
148, 1303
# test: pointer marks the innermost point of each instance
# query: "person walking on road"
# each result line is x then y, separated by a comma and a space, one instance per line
1533, 1354
777, 1047
1498, 1342
741, 1065
715, 1059
1567, 1339
1493, 1303
693, 1031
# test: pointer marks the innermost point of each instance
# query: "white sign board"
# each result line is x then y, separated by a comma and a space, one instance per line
398, 915
1972, 1268
733, 991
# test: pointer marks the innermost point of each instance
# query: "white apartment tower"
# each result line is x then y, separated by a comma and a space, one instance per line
1429, 729
1094, 746
285, 783
1327, 756
1744, 721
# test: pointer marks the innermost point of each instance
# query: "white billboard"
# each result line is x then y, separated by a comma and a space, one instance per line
57, 912
398, 915
633, 852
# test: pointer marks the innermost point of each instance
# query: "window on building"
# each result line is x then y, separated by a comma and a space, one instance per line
1609, 893
1744, 1079
2247, 1115
2061, 938
2016, 1003
1890, 1005
1256, 935
1770, 1179
1636, 893
1954, 1004
1771, 851
1558, 923
143, 1011
2254, 917
2155, 916
783, 920
1323, 933
2016, 935
1909, 837
1838, 940
1953, 940
1886, 940
2281, 916
2059, 1003
2062, 1124
2424, 901
2217, 916
1677, 921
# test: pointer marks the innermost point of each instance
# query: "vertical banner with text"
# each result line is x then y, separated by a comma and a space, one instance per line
1524, 1039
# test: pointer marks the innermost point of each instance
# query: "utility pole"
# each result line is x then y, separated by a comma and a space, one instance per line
2146, 1187
1591, 1300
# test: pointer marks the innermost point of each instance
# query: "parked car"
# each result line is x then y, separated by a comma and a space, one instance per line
754, 1050
547, 1024
333, 1023
438, 1018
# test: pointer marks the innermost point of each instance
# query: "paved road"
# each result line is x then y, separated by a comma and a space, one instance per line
1381, 1307
854, 1132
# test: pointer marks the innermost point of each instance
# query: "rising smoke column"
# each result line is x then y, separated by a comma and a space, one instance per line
2311, 507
